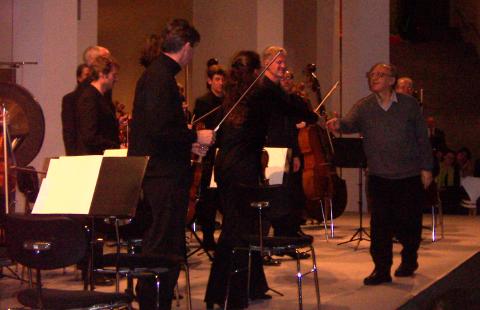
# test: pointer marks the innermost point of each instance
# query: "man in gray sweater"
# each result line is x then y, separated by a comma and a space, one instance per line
399, 159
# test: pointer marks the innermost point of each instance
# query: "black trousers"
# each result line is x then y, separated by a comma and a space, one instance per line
166, 199
238, 219
396, 206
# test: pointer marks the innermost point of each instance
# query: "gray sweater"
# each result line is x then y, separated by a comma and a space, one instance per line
395, 141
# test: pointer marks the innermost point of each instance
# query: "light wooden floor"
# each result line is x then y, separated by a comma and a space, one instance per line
341, 270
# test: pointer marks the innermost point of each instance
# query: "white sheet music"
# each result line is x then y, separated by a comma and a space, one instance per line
275, 168
115, 153
69, 185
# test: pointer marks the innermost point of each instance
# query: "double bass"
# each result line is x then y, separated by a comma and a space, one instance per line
321, 184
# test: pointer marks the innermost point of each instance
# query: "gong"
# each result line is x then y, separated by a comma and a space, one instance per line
26, 124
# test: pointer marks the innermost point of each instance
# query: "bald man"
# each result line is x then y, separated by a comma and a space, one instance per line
404, 86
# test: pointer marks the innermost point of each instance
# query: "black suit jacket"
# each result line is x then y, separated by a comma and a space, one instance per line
69, 128
96, 122
159, 129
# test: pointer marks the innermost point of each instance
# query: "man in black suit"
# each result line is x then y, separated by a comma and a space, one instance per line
69, 101
95, 114
159, 130
208, 204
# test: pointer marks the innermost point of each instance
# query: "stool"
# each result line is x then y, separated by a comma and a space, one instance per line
52, 242
260, 198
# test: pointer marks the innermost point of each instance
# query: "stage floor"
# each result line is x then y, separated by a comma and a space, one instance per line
341, 270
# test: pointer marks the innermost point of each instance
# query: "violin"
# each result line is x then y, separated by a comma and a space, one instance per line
124, 123
194, 193
321, 184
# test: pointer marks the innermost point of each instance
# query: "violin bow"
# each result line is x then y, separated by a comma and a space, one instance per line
204, 115
247, 91
330, 93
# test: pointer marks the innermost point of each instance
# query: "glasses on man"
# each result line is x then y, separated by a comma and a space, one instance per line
372, 75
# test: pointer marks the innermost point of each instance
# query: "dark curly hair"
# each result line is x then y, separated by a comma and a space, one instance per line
150, 50
241, 75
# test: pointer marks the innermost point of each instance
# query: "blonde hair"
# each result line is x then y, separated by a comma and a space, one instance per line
271, 51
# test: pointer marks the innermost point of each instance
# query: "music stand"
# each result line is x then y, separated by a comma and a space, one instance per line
116, 193
349, 154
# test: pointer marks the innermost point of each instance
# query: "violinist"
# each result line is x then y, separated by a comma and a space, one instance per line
400, 166
160, 131
282, 132
241, 140
207, 205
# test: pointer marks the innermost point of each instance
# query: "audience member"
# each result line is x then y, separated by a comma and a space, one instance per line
464, 162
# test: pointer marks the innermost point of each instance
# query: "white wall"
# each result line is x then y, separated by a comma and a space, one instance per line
46, 32
365, 42
87, 27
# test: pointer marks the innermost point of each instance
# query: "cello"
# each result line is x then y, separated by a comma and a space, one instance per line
321, 184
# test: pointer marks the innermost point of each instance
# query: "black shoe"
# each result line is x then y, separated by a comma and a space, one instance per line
377, 277
269, 261
405, 270
302, 255
102, 280
263, 296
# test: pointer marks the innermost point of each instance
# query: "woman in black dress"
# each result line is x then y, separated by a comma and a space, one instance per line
240, 140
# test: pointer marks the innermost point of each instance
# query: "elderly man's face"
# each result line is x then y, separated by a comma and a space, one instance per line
380, 79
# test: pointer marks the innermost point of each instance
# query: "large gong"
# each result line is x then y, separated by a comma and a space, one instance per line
25, 120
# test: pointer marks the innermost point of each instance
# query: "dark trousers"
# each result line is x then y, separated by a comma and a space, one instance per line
238, 219
207, 206
166, 199
396, 206
286, 217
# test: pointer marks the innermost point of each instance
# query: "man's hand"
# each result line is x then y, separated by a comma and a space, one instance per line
296, 164
301, 125
426, 178
199, 149
334, 125
205, 137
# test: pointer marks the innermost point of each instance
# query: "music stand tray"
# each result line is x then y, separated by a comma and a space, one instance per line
349, 154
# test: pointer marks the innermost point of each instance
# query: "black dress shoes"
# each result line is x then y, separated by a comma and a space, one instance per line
302, 255
263, 296
406, 270
377, 277
270, 261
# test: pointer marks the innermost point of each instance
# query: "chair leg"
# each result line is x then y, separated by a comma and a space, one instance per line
157, 284
440, 218
299, 283
249, 270
229, 280
322, 208
315, 276
332, 229
434, 223
187, 287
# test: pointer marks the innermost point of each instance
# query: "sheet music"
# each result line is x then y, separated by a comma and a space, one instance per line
276, 164
69, 185
275, 169
115, 153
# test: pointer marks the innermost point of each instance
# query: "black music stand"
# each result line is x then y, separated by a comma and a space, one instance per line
349, 154
116, 194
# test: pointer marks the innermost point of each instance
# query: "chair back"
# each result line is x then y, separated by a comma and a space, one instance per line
45, 242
